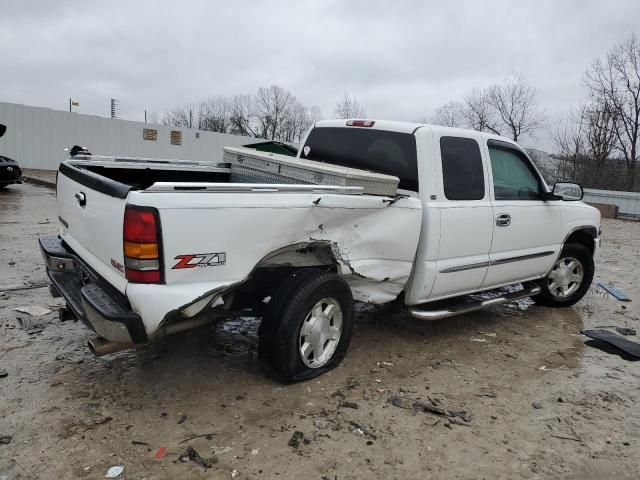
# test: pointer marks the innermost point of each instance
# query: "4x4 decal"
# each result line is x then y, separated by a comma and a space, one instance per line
200, 260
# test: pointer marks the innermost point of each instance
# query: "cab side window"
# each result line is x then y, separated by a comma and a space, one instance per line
462, 170
513, 176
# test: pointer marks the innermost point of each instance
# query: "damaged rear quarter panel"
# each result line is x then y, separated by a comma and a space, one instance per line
374, 242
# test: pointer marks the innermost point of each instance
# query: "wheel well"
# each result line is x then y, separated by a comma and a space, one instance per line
274, 268
583, 237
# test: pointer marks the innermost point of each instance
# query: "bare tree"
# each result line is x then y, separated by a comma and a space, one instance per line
451, 114
616, 81
348, 107
182, 116
215, 115
480, 114
516, 105
272, 108
241, 114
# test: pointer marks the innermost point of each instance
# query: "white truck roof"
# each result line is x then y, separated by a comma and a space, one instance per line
410, 127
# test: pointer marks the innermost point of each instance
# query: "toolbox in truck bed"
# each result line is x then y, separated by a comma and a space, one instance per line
249, 165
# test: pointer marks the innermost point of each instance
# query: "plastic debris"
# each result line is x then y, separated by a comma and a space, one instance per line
161, 452
194, 456
295, 439
3, 373
417, 406
5, 439
234, 473
613, 290
114, 472
33, 310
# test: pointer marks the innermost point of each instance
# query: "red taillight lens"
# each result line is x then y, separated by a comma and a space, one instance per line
143, 276
141, 245
140, 226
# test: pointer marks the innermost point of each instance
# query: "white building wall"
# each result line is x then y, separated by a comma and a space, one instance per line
36, 137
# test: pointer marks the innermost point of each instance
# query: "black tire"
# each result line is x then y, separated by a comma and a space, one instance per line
280, 330
583, 255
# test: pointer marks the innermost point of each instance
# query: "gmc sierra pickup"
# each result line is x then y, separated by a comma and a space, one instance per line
153, 247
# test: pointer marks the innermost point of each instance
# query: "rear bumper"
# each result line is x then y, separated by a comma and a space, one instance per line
91, 299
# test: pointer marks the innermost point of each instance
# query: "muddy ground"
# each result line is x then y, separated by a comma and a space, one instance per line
541, 403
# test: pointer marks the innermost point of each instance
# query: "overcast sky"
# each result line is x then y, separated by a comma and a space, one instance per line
400, 59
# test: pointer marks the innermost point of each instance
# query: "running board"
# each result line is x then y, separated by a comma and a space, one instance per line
452, 310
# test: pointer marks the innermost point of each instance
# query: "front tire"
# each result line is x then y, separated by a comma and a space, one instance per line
569, 278
307, 326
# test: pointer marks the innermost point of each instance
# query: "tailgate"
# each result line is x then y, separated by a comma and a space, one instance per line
91, 210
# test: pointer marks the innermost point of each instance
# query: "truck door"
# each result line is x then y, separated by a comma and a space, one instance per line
466, 216
526, 235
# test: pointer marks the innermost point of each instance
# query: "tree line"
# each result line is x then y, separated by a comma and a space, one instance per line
597, 142
272, 112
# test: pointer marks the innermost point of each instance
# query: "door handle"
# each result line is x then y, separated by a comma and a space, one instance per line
81, 198
503, 220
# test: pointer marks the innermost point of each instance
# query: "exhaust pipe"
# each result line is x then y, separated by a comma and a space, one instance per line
99, 346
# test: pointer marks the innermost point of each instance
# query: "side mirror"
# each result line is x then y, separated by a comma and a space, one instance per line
569, 192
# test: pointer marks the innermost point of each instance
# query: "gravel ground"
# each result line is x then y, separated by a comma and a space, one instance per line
539, 403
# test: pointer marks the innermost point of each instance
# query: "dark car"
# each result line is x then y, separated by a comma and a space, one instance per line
9, 170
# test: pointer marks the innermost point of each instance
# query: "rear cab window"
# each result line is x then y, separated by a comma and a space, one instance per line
380, 151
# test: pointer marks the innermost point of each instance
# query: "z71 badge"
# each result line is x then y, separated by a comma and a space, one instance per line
200, 260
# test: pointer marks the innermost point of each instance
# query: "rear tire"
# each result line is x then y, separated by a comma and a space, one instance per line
569, 279
307, 326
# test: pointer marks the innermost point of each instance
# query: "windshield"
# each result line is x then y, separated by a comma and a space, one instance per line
391, 153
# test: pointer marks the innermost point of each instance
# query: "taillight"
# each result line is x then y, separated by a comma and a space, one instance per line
360, 123
141, 244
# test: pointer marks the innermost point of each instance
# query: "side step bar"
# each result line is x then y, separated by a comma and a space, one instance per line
452, 310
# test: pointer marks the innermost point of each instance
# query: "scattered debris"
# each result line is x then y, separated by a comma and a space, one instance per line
536, 405
3, 373
195, 457
15, 288
161, 452
221, 450
255, 451
114, 472
417, 406
631, 349
625, 331
100, 421
136, 442
5, 439
208, 435
33, 310
234, 473
565, 437
295, 439
353, 405
613, 290
544, 368
181, 418
362, 430
479, 340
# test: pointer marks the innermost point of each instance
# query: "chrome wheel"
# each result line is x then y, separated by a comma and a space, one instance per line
320, 333
566, 277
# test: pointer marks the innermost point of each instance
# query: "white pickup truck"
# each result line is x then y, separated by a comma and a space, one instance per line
153, 247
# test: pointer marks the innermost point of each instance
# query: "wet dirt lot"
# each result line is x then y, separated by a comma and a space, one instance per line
541, 403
